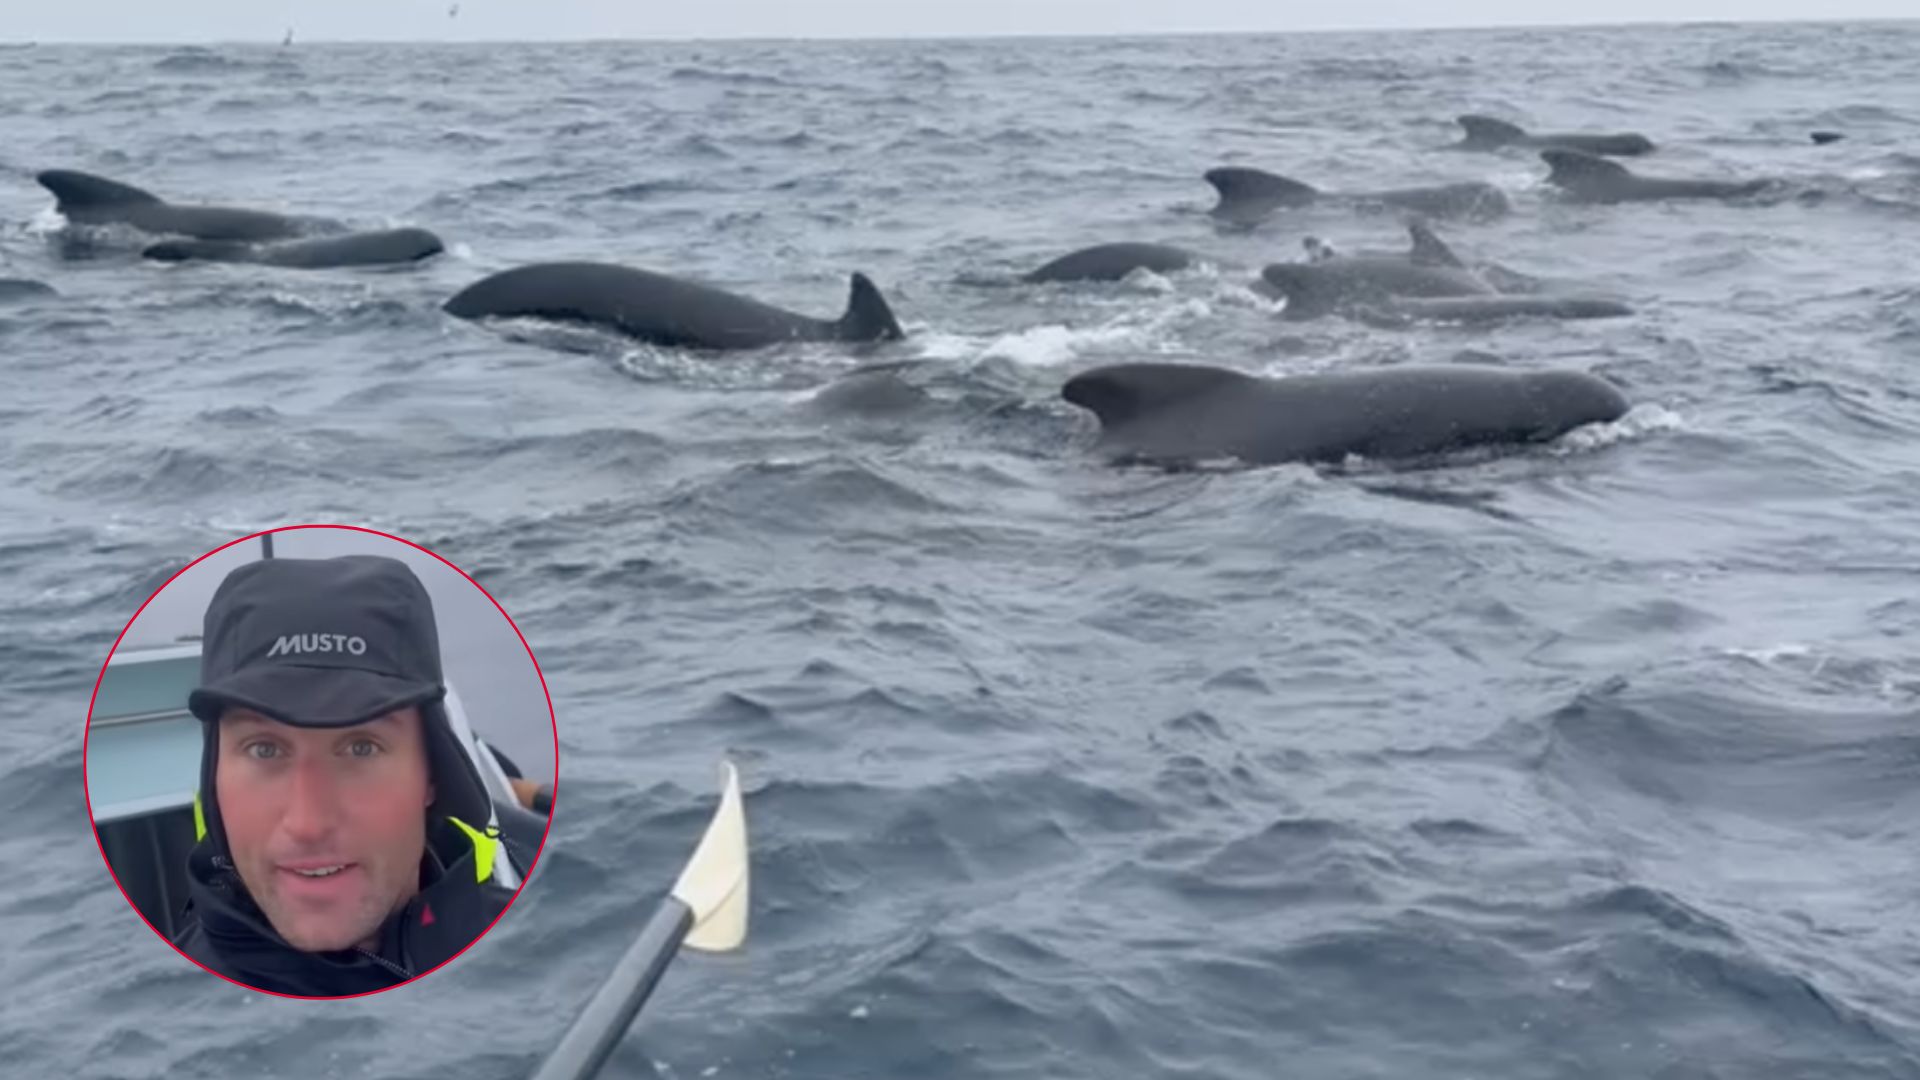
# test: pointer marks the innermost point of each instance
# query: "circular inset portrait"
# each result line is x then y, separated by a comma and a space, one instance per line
320, 761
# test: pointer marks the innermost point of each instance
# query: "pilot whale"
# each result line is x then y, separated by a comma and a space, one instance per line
1249, 195
354, 249
1487, 133
86, 199
666, 310
1181, 413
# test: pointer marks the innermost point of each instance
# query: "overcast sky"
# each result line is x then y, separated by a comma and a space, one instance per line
412, 20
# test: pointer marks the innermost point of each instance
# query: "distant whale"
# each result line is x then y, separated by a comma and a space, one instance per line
1334, 282
1426, 248
23, 289
877, 392
1248, 195
666, 310
1111, 262
353, 249
1399, 310
85, 199
1177, 413
1587, 178
1487, 133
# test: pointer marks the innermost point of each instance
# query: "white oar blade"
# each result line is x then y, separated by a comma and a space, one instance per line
714, 884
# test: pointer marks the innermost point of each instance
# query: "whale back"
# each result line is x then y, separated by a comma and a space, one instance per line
1121, 393
1174, 412
24, 289
1574, 169
353, 249
1237, 183
1112, 262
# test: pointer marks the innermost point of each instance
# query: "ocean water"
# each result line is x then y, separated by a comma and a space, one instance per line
1594, 759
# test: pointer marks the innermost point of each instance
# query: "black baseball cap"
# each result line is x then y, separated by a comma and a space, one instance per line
319, 642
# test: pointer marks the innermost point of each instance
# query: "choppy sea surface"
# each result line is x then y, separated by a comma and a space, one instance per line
1594, 759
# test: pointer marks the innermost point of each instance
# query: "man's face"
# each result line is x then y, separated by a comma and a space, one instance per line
327, 826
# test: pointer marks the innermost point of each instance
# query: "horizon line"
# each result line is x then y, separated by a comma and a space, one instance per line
1682, 23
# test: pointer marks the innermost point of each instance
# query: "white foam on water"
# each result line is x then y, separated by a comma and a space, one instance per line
1053, 344
1640, 422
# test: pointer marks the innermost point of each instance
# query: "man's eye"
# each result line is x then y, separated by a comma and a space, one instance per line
262, 751
363, 748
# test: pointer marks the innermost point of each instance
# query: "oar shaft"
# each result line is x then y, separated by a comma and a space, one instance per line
601, 1025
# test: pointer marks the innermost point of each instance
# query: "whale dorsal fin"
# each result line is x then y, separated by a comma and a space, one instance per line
73, 188
1487, 131
1429, 249
1122, 392
868, 317
1573, 167
1237, 183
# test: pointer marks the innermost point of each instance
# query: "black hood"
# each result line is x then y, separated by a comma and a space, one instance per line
227, 931
458, 899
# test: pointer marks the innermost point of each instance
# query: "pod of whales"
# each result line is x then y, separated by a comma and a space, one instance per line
1487, 133
1249, 195
354, 249
666, 310
1178, 413
85, 199
1111, 262
1587, 178
1151, 411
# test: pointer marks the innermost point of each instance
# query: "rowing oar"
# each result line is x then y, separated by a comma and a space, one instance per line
707, 910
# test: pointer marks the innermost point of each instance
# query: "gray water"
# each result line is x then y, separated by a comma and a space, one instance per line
1597, 759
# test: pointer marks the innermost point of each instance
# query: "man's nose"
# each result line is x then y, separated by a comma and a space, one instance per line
313, 797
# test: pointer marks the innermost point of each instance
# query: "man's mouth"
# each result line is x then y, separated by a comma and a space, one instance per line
314, 869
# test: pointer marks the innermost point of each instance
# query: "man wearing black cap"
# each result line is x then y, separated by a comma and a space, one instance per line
345, 843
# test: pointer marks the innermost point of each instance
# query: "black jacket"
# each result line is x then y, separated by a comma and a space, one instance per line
227, 932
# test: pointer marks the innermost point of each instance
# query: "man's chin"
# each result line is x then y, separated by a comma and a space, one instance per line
325, 931
329, 938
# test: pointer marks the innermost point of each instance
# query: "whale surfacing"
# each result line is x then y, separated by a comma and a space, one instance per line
354, 249
1331, 282
1112, 262
1249, 195
665, 310
1180, 414
24, 289
1400, 310
1488, 133
1587, 178
86, 199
